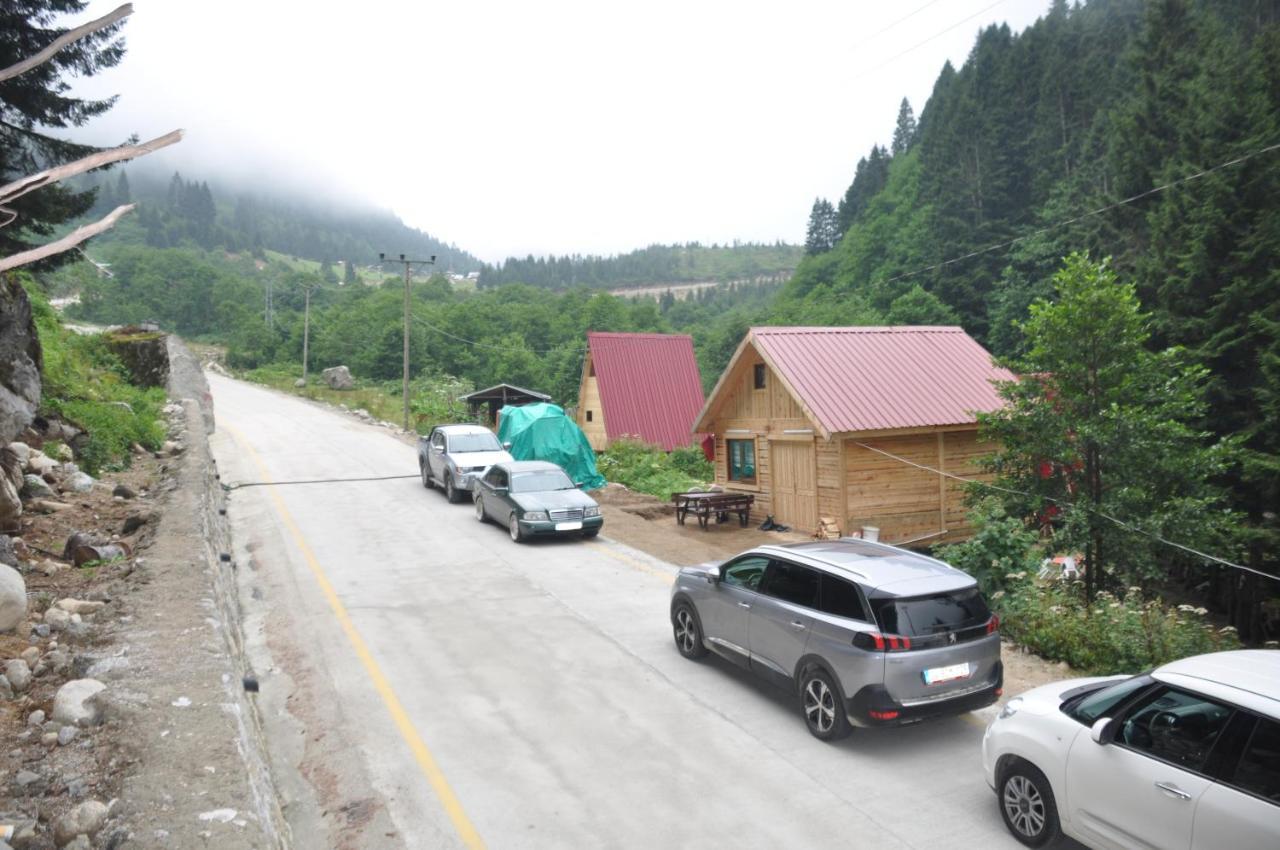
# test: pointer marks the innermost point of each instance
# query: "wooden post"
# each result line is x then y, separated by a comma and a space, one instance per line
306, 331
406, 346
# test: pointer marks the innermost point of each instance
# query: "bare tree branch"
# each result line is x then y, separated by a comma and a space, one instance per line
18, 188
9, 215
66, 243
63, 40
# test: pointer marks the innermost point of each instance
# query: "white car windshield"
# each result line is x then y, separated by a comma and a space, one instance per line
540, 482
480, 442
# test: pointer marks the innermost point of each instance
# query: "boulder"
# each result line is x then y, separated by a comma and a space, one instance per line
21, 450
10, 503
64, 453
13, 598
76, 703
135, 521
8, 550
300, 383
57, 619
80, 606
124, 492
20, 360
34, 487
145, 354
338, 378
41, 464
80, 482
18, 674
6, 689
88, 818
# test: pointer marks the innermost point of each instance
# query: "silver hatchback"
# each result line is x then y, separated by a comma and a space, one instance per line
865, 634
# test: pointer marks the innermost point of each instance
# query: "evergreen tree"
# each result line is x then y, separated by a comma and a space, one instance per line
123, 195
38, 99
823, 228
349, 272
869, 180
904, 134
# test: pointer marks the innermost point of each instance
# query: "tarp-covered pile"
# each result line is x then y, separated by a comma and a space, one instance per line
543, 432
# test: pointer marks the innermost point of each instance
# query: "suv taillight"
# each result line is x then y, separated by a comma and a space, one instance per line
876, 642
993, 625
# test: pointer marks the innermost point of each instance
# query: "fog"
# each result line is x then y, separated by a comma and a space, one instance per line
518, 128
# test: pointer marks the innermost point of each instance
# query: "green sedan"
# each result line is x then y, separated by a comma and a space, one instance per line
534, 498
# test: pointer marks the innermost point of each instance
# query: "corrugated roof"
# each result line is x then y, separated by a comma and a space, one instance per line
880, 378
649, 386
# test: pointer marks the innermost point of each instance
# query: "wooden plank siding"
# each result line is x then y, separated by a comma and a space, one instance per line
589, 400
905, 502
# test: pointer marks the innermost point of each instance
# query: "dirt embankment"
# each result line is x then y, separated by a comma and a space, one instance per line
165, 753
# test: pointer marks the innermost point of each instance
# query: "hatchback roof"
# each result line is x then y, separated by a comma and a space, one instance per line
1254, 671
878, 566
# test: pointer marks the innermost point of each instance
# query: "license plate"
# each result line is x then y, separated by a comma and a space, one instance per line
936, 675
568, 526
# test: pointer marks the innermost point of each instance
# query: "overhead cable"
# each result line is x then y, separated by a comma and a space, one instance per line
918, 45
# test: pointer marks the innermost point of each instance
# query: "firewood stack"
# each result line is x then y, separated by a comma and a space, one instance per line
828, 529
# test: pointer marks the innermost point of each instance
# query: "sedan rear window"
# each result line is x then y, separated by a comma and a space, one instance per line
928, 615
540, 482
480, 442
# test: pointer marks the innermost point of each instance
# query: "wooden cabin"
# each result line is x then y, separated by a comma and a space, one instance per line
639, 386
854, 425
484, 404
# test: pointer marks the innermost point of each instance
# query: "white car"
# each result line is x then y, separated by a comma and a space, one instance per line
1186, 756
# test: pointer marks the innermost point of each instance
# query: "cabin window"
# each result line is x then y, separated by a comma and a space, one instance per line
742, 460
758, 376
589, 415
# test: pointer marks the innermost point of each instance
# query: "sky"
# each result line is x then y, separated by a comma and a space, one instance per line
557, 127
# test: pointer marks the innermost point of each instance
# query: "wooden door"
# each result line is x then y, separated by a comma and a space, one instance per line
795, 490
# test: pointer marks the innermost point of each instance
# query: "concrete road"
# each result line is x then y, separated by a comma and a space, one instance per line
434, 684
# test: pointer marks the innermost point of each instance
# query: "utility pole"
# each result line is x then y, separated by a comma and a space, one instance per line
408, 271
306, 329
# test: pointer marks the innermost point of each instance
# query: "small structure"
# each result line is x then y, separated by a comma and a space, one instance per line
852, 425
492, 399
639, 386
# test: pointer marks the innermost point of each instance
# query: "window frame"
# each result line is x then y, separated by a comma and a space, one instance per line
771, 571
754, 480
1206, 768
759, 377
827, 578
738, 561
1228, 771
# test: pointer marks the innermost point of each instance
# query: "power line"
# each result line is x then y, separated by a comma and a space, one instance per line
885, 29
1173, 184
897, 56
1069, 506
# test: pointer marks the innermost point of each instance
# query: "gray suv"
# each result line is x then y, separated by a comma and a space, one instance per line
454, 456
863, 633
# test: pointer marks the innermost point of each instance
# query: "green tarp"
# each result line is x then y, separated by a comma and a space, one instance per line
542, 432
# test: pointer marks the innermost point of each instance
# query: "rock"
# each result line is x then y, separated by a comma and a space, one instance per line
107, 668
338, 378
13, 598
170, 448
135, 521
9, 550
49, 739
20, 360
24, 778
77, 788
79, 606
48, 506
300, 383
80, 842
42, 629
65, 453
58, 661
75, 703
57, 619
18, 674
40, 463
10, 503
85, 819
30, 655
21, 450
124, 492
34, 487
81, 482
36, 718
66, 735
137, 449
75, 541
6, 689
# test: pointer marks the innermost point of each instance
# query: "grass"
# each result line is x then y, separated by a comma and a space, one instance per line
648, 469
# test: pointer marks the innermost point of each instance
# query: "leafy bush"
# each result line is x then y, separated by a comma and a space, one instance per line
1000, 546
692, 462
648, 469
1117, 634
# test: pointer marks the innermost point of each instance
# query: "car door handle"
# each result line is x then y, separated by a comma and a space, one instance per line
1173, 791
744, 604
797, 625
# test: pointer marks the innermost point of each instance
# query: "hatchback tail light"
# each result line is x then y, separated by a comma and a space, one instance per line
876, 642
883, 715
993, 625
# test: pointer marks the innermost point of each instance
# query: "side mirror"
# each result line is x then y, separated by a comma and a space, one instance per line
500, 490
578, 484
713, 575
507, 445
1100, 732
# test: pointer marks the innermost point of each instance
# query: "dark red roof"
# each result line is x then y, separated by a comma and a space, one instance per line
881, 378
649, 386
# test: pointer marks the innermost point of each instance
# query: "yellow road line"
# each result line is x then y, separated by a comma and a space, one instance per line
635, 563
435, 776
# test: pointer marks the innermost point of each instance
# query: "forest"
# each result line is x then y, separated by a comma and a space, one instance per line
1143, 133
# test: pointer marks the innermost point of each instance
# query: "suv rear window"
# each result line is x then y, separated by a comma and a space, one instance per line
928, 615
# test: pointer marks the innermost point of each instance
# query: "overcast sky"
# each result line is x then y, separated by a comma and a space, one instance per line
512, 128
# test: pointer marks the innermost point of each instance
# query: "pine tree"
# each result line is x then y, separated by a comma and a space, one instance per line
38, 99
123, 194
904, 135
823, 228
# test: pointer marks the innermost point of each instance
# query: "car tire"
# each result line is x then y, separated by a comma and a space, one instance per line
480, 515
687, 631
1027, 805
513, 528
450, 492
590, 532
822, 706
426, 476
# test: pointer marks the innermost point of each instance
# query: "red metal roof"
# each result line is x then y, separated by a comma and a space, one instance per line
649, 386
879, 378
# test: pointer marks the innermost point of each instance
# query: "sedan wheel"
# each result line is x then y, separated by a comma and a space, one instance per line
823, 708
426, 476
513, 527
688, 633
1027, 806
480, 510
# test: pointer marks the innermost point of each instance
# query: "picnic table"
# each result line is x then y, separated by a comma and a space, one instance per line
704, 506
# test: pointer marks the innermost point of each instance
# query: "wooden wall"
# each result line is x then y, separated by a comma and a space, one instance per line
589, 399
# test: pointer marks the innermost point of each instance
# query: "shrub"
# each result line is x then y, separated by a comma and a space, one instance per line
648, 469
1001, 545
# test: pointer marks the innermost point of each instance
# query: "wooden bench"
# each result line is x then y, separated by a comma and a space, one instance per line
720, 505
